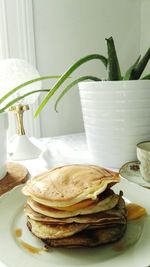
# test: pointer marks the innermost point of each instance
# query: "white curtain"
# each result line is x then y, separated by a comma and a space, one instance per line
17, 41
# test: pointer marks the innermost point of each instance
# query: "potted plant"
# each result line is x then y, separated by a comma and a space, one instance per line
115, 111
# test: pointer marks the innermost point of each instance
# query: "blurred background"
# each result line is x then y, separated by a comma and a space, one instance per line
52, 34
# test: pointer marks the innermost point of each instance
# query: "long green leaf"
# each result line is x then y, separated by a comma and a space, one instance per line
114, 72
25, 84
147, 77
66, 75
12, 102
141, 66
128, 75
68, 87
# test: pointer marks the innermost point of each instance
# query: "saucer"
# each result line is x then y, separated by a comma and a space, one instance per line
131, 172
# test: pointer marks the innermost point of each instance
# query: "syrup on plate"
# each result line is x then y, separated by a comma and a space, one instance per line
25, 245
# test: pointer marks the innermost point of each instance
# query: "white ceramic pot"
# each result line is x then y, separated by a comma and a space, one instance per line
3, 143
116, 117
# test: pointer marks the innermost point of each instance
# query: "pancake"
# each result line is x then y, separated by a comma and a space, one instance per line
87, 238
106, 203
68, 185
55, 231
115, 214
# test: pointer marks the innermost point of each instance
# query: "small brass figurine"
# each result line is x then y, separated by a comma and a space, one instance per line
19, 110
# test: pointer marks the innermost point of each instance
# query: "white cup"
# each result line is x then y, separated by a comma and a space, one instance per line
3, 143
143, 155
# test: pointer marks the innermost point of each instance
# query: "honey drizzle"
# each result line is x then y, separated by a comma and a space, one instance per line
25, 245
30, 248
18, 232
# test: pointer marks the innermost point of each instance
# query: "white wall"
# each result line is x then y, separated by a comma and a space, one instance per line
145, 22
68, 29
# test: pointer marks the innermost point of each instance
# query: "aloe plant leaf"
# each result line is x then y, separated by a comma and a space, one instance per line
72, 84
128, 75
146, 77
141, 66
114, 72
12, 102
25, 84
66, 75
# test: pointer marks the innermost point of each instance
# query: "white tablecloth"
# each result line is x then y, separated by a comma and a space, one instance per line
56, 151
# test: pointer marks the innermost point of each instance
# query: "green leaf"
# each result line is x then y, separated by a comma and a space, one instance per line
114, 72
68, 87
141, 66
128, 75
147, 77
12, 102
25, 84
66, 75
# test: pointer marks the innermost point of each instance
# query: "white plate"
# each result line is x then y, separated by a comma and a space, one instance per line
131, 172
12, 254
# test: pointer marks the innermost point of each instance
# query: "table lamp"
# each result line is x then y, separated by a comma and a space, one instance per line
14, 72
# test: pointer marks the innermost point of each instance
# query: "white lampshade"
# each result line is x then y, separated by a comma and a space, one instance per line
13, 72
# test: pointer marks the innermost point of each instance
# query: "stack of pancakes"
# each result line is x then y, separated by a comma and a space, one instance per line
73, 206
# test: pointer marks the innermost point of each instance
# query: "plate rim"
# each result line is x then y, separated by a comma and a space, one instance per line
144, 184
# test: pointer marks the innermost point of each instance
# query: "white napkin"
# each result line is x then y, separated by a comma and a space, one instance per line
65, 150
58, 151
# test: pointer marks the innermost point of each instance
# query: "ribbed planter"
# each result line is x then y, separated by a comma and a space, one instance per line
116, 117
3, 143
